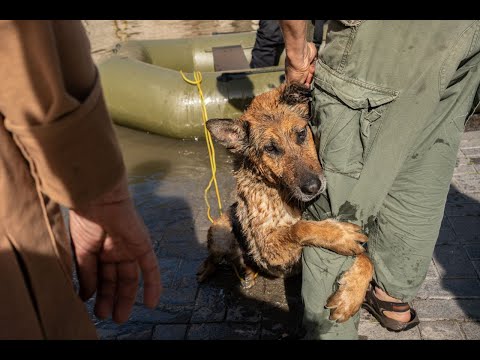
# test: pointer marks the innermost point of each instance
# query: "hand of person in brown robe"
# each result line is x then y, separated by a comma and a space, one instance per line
111, 245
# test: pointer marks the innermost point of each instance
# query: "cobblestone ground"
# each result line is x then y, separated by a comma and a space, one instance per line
171, 202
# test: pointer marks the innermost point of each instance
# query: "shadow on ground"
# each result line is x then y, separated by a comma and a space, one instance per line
216, 309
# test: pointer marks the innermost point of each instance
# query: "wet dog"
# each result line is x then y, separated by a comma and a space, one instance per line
277, 172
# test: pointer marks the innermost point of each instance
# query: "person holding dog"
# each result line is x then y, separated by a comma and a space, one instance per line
58, 146
390, 100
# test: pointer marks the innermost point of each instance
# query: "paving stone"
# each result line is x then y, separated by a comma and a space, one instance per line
440, 330
461, 159
447, 236
432, 272
137, 334
108, 330
449, 289
180, 237
275, 291
471, 138
184, 296
456, 196
467, 228
473, 251
471, 151
465, 169
275, 331
223, 331
201, 236
372, 330
433, 309
161, 315
186, 250
169, 332
471, 330
463, 210
171, 216
210, 305
201, 221
107, 334
468, 183
452, 262
241, 309
476, 265
186, 275
181, 226
445, 224
168, 268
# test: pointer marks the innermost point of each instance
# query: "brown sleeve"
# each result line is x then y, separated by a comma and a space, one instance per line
53, 105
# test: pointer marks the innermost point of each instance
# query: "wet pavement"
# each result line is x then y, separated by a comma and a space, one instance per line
168, 178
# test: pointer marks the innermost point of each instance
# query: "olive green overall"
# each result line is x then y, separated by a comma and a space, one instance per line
391, 99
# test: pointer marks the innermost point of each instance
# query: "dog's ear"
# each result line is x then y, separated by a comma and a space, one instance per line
230, 133
294, 94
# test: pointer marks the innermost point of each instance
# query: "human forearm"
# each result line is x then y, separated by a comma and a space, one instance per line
294, 34
54, 108
300, 54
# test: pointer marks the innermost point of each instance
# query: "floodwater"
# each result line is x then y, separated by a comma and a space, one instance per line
167, 178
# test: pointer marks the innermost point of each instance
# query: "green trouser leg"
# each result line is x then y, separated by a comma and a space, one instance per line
390, 103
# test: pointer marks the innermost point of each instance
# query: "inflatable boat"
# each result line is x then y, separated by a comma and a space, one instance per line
144, 88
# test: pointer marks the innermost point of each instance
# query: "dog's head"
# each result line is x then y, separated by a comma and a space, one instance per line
274, 137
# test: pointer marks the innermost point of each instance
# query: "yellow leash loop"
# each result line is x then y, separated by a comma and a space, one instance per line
211, 150
211, 153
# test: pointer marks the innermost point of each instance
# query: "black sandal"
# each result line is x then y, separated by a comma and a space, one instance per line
376, 307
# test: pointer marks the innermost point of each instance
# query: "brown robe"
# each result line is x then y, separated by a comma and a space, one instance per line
57, 146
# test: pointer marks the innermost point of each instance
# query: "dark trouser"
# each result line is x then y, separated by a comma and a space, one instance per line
269, 43
390, 101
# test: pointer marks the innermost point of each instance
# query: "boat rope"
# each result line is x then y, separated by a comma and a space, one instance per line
211, 150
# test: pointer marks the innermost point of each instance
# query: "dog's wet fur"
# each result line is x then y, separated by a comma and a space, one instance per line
277, 172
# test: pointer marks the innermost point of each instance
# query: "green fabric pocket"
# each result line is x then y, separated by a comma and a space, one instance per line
346, 118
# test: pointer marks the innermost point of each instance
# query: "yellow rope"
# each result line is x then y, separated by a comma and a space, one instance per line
211, 153
211, 150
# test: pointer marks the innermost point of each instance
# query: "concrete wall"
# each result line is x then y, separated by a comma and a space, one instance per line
106, 34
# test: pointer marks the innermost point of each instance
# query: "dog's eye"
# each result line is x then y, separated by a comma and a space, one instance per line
302, 135
272, 149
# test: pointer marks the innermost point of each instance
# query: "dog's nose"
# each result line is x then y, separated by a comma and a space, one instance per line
312, 186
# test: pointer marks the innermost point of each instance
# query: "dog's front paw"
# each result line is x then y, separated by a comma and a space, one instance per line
349, 239
344, 303
248, 279
348, 299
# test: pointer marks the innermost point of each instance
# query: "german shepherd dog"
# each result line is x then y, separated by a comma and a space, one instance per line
277, 172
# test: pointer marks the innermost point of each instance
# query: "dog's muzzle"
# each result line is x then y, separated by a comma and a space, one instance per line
313, 187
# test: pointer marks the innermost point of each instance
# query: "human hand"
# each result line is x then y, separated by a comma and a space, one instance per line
111, 244
301, 67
